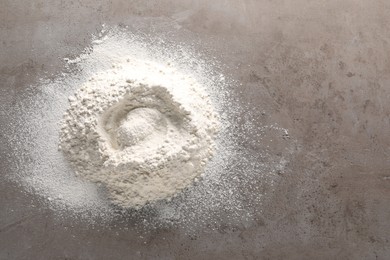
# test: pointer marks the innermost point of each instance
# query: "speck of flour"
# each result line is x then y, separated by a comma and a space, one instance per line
182, 119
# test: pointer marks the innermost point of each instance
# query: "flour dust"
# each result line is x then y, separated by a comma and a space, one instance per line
191, 123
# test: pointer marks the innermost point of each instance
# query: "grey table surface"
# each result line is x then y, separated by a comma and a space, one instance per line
320, 68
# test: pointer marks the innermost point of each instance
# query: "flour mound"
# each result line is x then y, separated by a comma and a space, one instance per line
143, 130
139, 124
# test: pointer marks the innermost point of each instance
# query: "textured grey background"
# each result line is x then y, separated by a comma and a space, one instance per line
321, 69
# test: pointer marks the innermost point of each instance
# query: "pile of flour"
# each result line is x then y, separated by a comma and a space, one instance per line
141, 129
132, 113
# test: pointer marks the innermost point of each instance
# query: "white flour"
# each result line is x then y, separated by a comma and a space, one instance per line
142, 129
237, 181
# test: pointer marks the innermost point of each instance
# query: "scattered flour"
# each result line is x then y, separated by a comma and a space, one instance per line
238, 179
142, 129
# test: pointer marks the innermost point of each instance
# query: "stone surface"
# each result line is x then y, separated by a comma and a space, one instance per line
318, 68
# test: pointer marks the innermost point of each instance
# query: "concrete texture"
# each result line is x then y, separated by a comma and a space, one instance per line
319, 68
